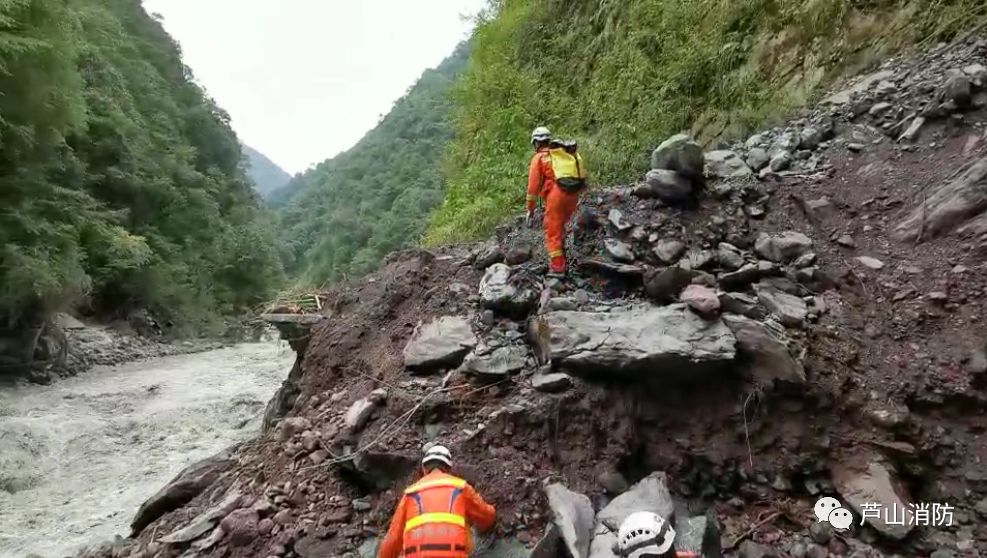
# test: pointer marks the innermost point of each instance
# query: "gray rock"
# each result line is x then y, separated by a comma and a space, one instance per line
617, 219
780, 161
669, 186
821, 532
958, 89
186, 485
359, 413
879, 108
783, 247
871, 263
765, 348
381, 468
698, 259
603, 543
981, 508
661, 343
976, 363
790, 310
581, 296
205, 521
650, 494
789, 141
810, 138
669, 251
729, 256
572, 514
498, 293
562, 303
866, 478
976, 72
702, 299
846, 241
724, 163
518, 255
489, 255
442, 343
747, 274
618, 250
855, 147
501, 363
551, 382
550, 545
664, 285
679, 153
958, 205
816, 551
757, 140
805, 260
912, 132
742, 304
758, 158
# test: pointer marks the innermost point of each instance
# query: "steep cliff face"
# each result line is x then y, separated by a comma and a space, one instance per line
786, 337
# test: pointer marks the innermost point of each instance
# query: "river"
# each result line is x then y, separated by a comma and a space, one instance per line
77, 458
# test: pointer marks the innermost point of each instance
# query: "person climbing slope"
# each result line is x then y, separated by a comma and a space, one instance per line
434, 516
556, 175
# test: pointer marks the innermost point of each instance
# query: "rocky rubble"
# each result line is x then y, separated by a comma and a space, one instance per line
762, 338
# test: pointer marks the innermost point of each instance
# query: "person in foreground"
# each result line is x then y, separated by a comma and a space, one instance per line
557, 175
645, 535
434, 516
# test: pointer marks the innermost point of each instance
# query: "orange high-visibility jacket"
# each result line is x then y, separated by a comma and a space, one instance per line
433, 518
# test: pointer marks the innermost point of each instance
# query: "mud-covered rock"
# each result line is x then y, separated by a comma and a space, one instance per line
766, 349
650, 494
241, 527
783, 247
499, 294
572, 514
865, 479
646, 342
679, 153
957, 205
186, 485
724, 163
440, 344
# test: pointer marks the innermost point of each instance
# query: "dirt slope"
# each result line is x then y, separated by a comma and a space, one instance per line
892, 349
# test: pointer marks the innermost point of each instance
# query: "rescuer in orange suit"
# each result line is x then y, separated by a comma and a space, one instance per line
559, 204
434, 516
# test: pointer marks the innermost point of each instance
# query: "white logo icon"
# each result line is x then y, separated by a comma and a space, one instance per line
830, 510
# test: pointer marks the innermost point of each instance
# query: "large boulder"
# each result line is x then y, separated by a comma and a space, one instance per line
866, 479
651, 494
957, 205
724, 163
572, 514
440, 344
679, 153
499, 294
186, 485
765, 348
669, 186
790, 309
644, 341
783, 247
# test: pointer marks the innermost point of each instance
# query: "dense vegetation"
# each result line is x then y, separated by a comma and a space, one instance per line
266, 175
622, 76
121, 184
348, 212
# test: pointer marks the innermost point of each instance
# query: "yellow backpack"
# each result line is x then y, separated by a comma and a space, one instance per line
567, 164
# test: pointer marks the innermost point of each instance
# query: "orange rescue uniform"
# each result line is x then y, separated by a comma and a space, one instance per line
433, 518
559, 205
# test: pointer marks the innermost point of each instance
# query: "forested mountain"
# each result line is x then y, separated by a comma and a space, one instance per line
348, 212
622, 76
121, 183
266, 175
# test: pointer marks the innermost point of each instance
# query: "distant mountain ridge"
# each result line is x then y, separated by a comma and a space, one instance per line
266, 175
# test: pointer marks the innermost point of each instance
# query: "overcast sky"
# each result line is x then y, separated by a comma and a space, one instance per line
305, 79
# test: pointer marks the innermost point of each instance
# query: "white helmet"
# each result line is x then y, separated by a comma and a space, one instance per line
644, 534
437, 453
540, 133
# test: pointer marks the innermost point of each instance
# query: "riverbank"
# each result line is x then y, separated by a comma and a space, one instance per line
79, 456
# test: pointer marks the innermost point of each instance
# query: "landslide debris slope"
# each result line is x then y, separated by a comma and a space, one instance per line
812, 326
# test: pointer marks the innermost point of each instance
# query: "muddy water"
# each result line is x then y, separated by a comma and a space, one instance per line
78, 458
